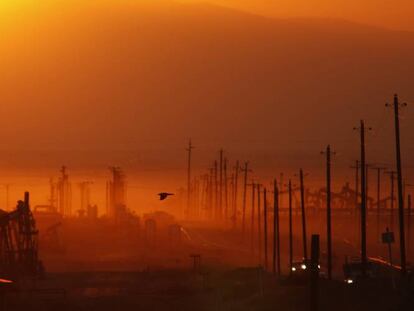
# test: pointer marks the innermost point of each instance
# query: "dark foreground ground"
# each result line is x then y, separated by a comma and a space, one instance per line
181, 290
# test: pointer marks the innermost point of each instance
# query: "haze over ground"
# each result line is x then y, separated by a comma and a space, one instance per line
97, 83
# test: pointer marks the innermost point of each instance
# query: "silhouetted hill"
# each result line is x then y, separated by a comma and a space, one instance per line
127, 76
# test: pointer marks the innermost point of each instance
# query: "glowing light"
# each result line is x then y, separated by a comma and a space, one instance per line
303, 266
293, 269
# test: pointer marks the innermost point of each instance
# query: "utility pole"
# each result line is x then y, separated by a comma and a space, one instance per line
265, 229
236, 179
252, 219
259, 222
363, 201
396, 106
245, 170
276, 230
221, 186
281, 190
302, 203
226, 203
290, 228
378, 169
328, 210
189, 150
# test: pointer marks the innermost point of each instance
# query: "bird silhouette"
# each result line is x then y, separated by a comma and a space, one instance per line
164, 195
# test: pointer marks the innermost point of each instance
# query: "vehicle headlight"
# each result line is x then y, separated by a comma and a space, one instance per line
293, 269
349, 281
303, 266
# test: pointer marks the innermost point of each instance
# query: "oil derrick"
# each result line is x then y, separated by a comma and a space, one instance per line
116, 194
64, 193
85, 199
19, 242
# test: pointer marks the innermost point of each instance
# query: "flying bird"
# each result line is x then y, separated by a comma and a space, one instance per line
164, 195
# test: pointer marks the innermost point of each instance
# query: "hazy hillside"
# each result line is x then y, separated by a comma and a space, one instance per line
125, 77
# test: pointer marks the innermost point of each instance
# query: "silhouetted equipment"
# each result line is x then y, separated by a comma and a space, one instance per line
290, 228
396, 106
164, 195
314, 273
116, 193
302, 204
64, 193
363, 201
19, 242
85, 196
189, 150
276, 230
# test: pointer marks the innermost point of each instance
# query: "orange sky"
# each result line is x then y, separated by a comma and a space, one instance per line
387, 13
92, 86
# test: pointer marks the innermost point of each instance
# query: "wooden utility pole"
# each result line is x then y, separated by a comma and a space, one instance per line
396, 106
328, 210
189, 150
266, 261
252, 219
302, 204
276, 230
290, 228
236, 179
363, 201
245, 170
378, 169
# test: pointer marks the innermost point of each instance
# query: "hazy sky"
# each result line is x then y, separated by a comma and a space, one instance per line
106, 82
109, 77
386, 13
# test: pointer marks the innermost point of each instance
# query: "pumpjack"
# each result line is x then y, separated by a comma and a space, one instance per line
19, 243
